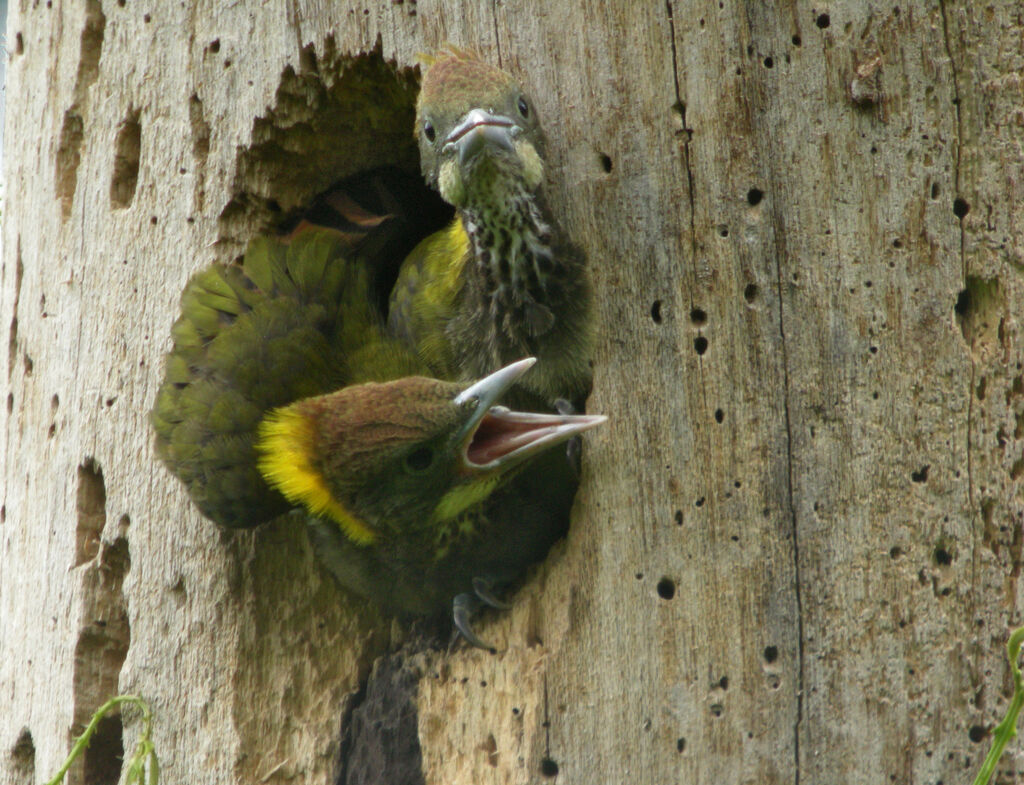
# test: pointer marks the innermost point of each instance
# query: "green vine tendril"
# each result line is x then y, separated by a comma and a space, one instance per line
1007, 729
145, 752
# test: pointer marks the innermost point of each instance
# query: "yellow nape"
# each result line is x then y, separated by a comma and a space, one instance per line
285, 448
462, 497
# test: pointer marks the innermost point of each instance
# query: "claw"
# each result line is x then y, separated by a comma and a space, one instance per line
462, 608
563, 407
573, 447
482, 588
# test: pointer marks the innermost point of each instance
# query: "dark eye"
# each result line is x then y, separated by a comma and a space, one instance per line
429, 132
419, 460
524, 108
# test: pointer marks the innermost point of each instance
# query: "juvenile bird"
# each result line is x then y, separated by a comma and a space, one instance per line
292, 321
411, 489
283, 390
502, 281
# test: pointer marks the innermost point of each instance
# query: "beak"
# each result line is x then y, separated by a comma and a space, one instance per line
495, 438
479, 130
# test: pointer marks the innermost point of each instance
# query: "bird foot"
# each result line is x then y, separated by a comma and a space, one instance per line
483, 589
573, 447
465, 605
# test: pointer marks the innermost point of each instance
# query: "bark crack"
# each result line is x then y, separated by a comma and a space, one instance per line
794, 529
380, 742
680, 107
958, 120
956, 107
497, 38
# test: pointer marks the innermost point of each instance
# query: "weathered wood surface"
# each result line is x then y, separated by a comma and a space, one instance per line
797, 547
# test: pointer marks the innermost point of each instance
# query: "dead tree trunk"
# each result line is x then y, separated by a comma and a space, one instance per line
796, 550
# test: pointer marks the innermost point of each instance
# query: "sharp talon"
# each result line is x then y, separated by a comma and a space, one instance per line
573, 447
482, 588
462, 608
563, 407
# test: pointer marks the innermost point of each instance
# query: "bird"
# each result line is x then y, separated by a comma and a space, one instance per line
293, 320
413, 490
284, 391
502, 280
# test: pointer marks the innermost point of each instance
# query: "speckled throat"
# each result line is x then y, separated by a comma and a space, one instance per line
515, 265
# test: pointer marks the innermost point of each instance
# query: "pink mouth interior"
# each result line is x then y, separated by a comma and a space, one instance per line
497, 437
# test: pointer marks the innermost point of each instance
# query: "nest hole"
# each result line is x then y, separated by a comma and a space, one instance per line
340, 124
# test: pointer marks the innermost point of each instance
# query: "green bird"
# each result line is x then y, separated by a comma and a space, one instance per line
502, 280
291, 322
411, 490
283, 390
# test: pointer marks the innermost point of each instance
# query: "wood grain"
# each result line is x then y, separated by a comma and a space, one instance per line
796, 551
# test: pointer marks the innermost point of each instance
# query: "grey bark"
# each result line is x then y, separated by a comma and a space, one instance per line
796, 551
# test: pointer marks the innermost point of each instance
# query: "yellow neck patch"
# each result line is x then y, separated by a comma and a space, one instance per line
453, 255
449, 257
462, 497
285, 447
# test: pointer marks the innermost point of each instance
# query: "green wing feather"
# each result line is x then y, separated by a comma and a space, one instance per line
294, 320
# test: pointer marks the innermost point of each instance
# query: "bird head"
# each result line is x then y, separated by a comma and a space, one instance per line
478, 132
379, 458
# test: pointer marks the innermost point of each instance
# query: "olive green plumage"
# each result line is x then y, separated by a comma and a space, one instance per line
292, 321
420, 520
502, 281
283, 391
410, 574
288, 387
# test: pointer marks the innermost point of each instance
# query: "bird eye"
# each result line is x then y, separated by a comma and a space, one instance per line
524, 108
429, 132
419, 460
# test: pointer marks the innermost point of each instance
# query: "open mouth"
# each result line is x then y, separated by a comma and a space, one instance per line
505, 437
496, 437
